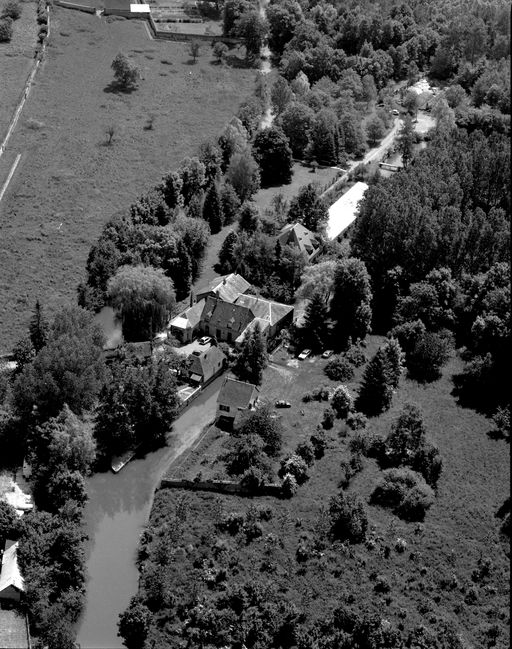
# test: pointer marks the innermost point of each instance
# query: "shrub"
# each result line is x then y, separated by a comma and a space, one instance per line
253, 530
339, 369
252, 479
328, 419
321, 394
11, 10
501, 421
406, 492
232, 523
295, 466
342, 402
355, 356
288, 486
348, 518
5, 30
357, 421
319, 442
306, 451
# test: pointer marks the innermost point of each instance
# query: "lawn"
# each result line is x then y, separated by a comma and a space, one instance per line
302, 175
15, 62
69, 182
430, 583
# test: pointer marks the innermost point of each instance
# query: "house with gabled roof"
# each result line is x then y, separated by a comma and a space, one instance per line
203, 366
187, 324
235, 397
226, 288
300, 238
11, 582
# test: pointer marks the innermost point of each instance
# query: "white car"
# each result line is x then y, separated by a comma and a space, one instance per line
328, 353
205, 340
304, 354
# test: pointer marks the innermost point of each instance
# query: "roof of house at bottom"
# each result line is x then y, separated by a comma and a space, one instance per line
13, 630
10, 575
206, 363
296, 235
272, 312
227, 287
344, 211
237, 393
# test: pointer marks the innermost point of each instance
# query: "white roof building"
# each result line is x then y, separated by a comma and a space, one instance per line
11, 581
343, 212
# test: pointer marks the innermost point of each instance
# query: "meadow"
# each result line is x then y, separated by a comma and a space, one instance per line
69, 181
434, 582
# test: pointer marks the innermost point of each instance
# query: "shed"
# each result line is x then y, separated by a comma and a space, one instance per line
11, 581
343, 212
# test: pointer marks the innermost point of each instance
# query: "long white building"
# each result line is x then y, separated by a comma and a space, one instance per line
344, 211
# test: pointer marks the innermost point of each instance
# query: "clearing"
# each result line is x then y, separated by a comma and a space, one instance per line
68, 182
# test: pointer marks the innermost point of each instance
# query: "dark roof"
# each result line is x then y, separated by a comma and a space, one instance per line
217, 313
117, 4
297, 236
207, 363
227, 287
13, 630
189, 318
237, 393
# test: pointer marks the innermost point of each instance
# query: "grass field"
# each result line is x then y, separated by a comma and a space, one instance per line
15, 62
69, 182
431, 582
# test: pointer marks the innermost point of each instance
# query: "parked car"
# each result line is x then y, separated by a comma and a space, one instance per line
282, 404
395, 112
205, 340
304, 354
328, 353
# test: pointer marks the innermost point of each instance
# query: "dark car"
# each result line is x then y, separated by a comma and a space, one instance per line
283, 404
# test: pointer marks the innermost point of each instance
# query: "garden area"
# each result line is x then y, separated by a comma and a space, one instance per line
71, 180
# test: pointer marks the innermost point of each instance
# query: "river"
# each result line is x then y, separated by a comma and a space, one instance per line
115, 515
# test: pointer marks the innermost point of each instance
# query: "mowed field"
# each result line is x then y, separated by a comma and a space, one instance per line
15, 62
431, 582
69, 182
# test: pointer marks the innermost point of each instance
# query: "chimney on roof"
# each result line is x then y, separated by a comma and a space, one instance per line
224, 280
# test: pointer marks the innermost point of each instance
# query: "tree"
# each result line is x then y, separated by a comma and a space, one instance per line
38, 328
10, 524
244, 175
193, 175
252, 357
249, 218
233, 139
230, 203
342, 402
110, 131
261, 423
281, 95
210, 155
406, 140
246, 452
369, 89
194, 49
134, 624
220, 50
317, 278
431, 352
272, 152
11, 10
349, 520
253, 29
395, 359
295, 466
63, 486
308, 208
144, 297
250, 113
350, 304
227, 259
5, 30
375, 130
126, 74
411, 103
23, 354
296, 121
283, 20
315, 322
212, 212
376, 390
324, 139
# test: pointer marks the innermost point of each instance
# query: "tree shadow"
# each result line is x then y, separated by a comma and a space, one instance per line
115, 88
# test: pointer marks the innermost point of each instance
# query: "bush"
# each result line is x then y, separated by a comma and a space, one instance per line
339, 369
328, 419
406, 492
321, 394
355, 356
306, 451
501, 419
288, 486
5, 30
319, 442
232, 523
252, 480
295, 466
349, 520
342, 402
11, 10
357, 421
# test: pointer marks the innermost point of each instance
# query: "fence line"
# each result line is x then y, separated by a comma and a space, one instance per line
26, 90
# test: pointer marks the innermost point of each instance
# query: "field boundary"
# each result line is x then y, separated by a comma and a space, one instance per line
26, 90
73, 5
178, 36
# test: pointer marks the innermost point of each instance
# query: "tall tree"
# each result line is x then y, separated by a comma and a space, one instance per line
350, 305
315, 322
252, 357
244, 174
296, 121
144, 297
405, 141
38, 328
281, 95
308, 208
376, 389
274, 156
212, 210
